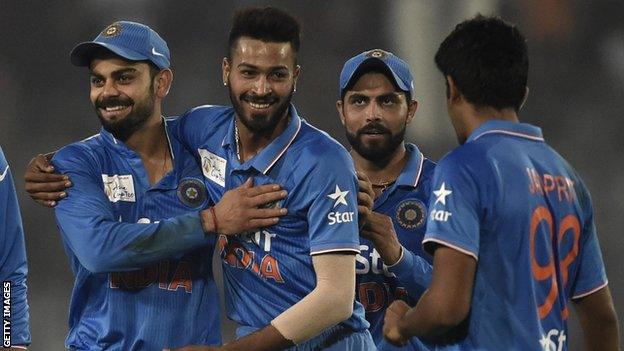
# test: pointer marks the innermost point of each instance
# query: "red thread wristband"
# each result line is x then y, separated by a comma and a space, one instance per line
214, 220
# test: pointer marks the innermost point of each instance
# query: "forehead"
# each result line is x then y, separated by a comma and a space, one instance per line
262, 54
373, 83
113, 64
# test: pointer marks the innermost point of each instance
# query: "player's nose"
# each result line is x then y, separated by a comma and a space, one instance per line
262, 86
109, 89
373, 112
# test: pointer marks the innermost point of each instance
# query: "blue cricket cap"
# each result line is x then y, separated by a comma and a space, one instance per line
378, 58
130, 40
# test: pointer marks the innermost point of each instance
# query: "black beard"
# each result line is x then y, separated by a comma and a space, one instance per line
123, 129
261, 124
381, 152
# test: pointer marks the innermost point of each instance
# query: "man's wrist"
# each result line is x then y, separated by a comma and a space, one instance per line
207, 221
391, 253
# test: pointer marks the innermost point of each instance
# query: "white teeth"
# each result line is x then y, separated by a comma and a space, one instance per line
259, 106
115, 108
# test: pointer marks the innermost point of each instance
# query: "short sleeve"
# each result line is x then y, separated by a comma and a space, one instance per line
591, 275
453, 219
332, 216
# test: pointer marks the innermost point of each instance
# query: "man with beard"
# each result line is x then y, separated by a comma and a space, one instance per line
376, 105
291, 283
143, 279
511, 226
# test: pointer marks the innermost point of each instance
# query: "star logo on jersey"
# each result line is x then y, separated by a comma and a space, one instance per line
339, 196
441, 194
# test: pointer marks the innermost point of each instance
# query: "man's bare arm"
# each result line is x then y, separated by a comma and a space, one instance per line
598, 320
443, 306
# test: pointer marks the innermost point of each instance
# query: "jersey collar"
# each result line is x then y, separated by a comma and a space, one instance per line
497, 126
169, 180
410, 175
268, 156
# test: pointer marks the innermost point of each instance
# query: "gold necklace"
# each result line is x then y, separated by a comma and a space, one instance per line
383, 185
237, 141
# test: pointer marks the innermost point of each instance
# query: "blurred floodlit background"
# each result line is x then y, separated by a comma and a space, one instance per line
576, 82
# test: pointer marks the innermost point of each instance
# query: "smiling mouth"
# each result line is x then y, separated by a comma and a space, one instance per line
259, 106
114, 111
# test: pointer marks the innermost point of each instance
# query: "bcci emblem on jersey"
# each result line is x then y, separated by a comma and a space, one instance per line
192, 192
411, 214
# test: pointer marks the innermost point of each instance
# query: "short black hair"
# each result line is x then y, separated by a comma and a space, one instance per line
488, 61
374, 66
268, 24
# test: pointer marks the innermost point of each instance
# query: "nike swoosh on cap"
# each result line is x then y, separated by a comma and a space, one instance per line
156, 52
6, 170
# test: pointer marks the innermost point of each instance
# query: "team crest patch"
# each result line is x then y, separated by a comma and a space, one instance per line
411, 214
213, 166
112, 30
192, 192
377, 53
119, 187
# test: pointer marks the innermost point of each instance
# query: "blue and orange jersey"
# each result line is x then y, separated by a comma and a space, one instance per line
405, 202
269, 270
143, 279
13, 267
511, 202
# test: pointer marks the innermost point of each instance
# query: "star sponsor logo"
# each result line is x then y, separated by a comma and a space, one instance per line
119, 187
213, 166
339, 198
4, 173
441, 194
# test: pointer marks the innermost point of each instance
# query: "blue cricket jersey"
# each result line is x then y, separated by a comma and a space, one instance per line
267, 271
143, 279
406, 203
13, 267
510, 201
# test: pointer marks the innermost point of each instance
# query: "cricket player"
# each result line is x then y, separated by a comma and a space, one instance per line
143, 277
510, 222
291, 284
13, 267
376, 105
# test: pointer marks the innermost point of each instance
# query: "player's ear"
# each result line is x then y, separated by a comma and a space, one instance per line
524, 99
296, 76
162, 83
340, 112
225, 68
453, 93
412, 106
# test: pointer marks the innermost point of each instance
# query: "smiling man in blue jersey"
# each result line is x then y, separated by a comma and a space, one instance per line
376, 105
290, 285
13, 267
143, 279
510, 222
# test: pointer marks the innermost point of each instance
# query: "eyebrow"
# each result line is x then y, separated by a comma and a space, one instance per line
117, 72
250, 66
